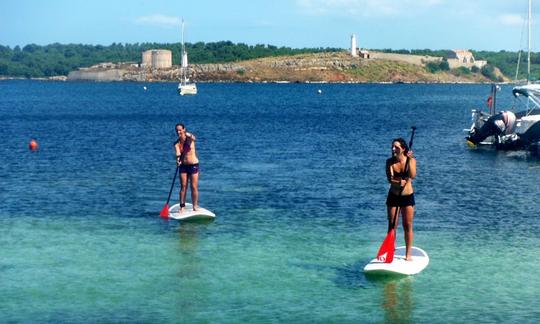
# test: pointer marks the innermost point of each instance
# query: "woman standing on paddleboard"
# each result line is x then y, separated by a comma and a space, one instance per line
400, 171
188, 162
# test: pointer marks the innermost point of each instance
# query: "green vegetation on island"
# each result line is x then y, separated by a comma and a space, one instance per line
58, 59
34, 61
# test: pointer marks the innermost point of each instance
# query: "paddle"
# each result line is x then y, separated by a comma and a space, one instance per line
386, 251
165, 211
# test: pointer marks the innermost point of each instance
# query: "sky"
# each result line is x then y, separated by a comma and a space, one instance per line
491, 25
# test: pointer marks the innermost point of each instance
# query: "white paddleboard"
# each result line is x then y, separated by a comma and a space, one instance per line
189, 214
399, 266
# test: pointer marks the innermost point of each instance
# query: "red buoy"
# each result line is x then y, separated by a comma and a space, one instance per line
33, 145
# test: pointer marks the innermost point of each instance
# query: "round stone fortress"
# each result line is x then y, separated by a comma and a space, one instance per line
157, 59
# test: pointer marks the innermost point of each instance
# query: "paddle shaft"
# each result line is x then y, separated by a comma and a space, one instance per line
396, 213
172, 185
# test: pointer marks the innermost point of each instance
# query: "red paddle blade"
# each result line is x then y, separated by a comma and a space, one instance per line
165, 211
386, 251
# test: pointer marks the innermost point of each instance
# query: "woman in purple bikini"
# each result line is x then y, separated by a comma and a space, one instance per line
401, 194
188, 162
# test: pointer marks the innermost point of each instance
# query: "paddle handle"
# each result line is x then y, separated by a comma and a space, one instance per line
410, 147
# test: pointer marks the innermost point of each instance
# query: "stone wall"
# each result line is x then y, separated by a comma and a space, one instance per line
97, 75
407, 58
456, 63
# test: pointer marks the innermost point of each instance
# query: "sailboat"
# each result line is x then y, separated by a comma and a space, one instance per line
510, 130
185, 87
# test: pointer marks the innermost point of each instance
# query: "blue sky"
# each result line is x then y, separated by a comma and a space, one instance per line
396, 24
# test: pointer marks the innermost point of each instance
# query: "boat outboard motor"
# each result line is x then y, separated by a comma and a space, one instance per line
499, 124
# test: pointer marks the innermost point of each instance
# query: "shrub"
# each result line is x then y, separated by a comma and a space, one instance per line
432, 67
462, 70
444, 65
489, 72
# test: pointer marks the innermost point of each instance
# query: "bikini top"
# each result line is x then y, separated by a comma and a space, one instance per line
401, 174
186, 147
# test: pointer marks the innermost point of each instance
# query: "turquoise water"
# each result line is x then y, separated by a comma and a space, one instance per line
297, 182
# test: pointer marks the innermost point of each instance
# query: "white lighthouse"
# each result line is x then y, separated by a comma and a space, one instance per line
353, 46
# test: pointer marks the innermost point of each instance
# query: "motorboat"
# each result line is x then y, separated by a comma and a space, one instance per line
515, 129
508, 129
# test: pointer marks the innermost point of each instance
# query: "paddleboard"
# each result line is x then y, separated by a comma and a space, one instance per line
189, 214
399, 266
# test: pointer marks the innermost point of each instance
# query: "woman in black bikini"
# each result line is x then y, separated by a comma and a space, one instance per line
401, 193
188, 162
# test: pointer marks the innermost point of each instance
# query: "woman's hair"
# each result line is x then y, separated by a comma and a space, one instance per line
403, 144
179, 124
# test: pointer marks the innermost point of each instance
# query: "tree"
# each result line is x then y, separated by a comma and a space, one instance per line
3, 68
489, 72
444, 66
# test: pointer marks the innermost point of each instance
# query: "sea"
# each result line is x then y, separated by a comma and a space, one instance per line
296, 177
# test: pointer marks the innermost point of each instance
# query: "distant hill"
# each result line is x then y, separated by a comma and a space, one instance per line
35, 61
312, 67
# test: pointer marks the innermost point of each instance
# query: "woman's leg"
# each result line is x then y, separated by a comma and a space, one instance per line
391, 214
194, 180
408, 216
183, 190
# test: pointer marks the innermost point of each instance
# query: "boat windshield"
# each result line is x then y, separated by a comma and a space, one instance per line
531, 92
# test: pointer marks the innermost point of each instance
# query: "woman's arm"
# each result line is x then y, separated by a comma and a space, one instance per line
178, 152
389, 171
412, 168
177, 148
191, 135
390, 174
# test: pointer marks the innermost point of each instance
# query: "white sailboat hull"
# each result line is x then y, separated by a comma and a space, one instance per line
187, 89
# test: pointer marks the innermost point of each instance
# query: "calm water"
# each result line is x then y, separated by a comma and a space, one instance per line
297, 182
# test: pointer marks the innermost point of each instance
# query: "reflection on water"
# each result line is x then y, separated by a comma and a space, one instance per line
397, 301
189, 269
187, 234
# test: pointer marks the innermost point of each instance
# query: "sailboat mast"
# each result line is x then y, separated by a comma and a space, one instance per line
182, 58
529, 53
183, 49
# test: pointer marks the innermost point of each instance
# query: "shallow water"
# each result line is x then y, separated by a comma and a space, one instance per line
297, 182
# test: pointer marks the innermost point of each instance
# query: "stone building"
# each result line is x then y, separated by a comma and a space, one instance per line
459, 58
363, 53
